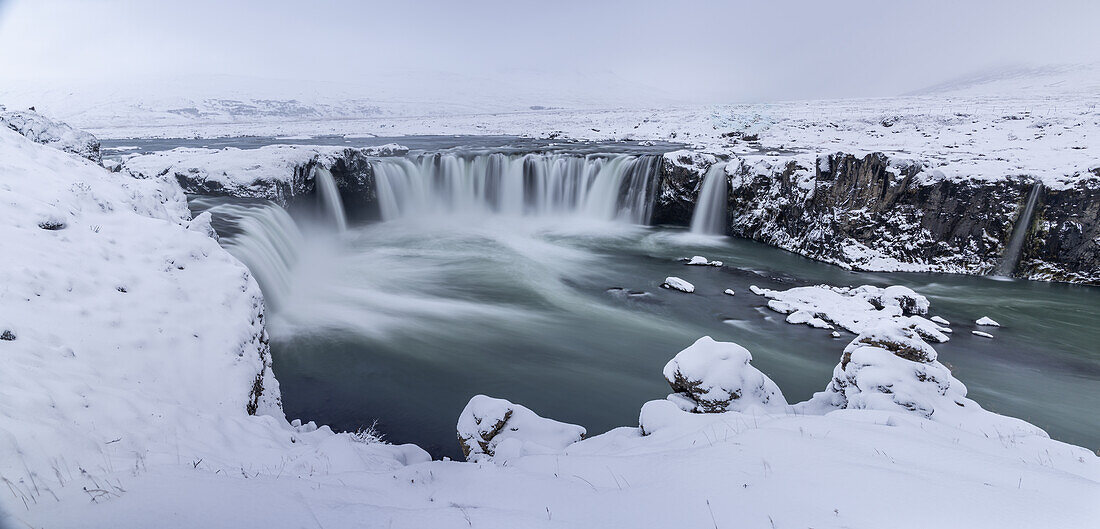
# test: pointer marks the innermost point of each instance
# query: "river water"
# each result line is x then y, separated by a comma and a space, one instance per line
560, 308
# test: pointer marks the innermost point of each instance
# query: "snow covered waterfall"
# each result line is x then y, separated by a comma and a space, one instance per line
1011, 257
330, 198
265, 238
710, 209
616, 187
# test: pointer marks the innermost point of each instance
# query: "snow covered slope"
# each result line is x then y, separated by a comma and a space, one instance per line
131, 340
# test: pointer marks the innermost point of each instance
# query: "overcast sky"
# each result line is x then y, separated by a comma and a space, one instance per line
695, 51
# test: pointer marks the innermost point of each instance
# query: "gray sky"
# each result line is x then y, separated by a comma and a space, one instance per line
692, 51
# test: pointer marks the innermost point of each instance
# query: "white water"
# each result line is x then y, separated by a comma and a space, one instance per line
1011, 257
267, 240
620, 187
330, 198
709, 217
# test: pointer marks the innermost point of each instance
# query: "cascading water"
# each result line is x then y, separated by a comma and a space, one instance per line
710, 209
264, 237
329, 196
619, 187
1011, 257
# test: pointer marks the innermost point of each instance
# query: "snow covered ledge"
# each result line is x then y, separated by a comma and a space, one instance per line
133, 344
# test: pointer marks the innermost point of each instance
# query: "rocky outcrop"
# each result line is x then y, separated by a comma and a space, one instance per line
681, 177
40, 129
879, 213
714, 377
491, 428
1063, 242
280, 173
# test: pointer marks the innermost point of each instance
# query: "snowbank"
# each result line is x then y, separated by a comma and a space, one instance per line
40, 129
138, 344
489, 428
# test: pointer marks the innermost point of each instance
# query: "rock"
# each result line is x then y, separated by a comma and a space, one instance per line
982, 334
729, 292
889, 367
699, 260
676, 283
713, 377
40, 129
490, 427
987, 322
940, 320
682, 174
836, 334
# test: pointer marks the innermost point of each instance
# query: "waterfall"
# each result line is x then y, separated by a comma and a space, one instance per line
616, 187
264, 238
1011, 257
329, 196
710, 209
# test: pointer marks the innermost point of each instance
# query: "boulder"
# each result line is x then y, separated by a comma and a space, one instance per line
40, 129
714, 377
488, 427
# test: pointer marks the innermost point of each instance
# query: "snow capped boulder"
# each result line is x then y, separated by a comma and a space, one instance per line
889, 367
40, 129
904, 298
489, 428
699, 260
986, 321
676, 283
713, 377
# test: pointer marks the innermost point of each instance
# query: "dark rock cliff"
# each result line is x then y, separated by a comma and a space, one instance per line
878, 213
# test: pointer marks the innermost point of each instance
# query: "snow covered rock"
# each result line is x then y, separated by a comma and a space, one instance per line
889, 367
982, 334
40, 129
699, 260
939, 320
676, 283
278, 173
489, 428
986, 321
713, 377
729, 292
853, 309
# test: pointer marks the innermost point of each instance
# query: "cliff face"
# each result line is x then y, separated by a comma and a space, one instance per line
1064, 239
878, 213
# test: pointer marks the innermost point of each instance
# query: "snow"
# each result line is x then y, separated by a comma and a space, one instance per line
497, 430
711, 377
265, 172
854, 309
987, 322
139, 343
699, 260
40, 129
982, 334
678, 284
939, 320
729, 292
133, 343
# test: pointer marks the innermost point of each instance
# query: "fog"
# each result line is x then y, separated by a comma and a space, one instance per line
669, 51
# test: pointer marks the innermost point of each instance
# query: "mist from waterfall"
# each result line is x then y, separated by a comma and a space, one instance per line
709, 217
598, 187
